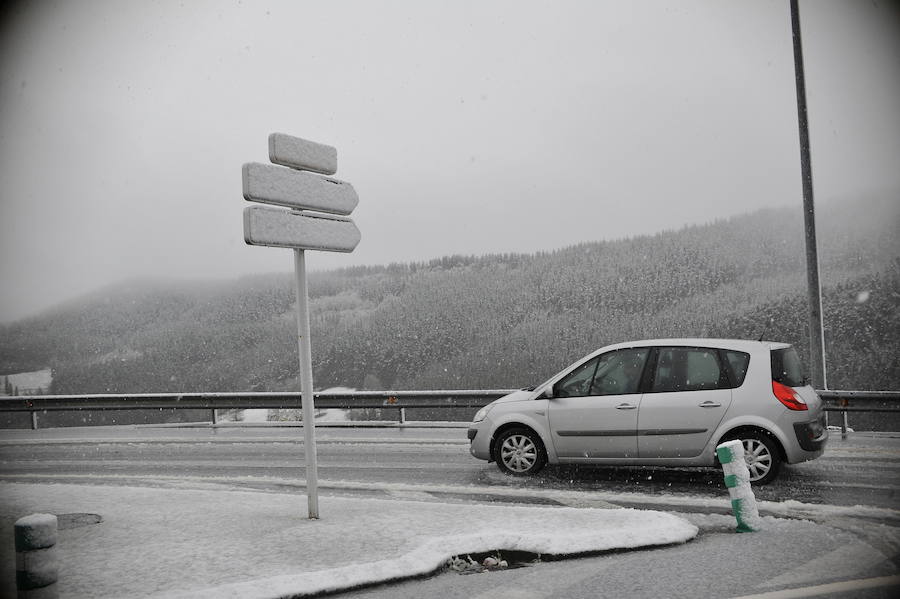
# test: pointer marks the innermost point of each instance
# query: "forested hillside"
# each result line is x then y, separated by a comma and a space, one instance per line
490, 321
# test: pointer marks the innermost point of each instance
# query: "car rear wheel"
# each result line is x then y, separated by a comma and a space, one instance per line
519, 451
761, 455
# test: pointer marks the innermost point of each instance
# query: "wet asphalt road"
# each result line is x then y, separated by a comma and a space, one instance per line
862, 470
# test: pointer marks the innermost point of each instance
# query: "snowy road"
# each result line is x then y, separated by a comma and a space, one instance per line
863, 470
842, 525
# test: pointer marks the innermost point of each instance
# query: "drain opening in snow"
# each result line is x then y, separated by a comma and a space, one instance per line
67, 521
474, 563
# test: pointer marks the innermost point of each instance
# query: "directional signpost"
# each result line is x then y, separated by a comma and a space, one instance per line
280, 228
312, 216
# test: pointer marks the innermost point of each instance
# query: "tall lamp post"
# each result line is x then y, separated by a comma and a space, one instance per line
814, 289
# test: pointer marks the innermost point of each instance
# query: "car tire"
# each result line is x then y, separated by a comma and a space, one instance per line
519, 451
762, 456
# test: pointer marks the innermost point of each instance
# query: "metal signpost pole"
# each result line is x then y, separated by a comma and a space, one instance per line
310, 214
306, 385
816, 330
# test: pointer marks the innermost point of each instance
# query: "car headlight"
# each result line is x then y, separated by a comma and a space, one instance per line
482, 413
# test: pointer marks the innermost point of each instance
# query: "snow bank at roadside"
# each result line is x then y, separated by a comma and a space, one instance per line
193, 543
541, 530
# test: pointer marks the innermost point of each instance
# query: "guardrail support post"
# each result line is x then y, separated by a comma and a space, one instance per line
34, 422
844, 420
402, 415
214, 416
37, 569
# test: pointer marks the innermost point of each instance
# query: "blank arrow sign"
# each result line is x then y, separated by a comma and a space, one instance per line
282, 228
281, 186
303, 154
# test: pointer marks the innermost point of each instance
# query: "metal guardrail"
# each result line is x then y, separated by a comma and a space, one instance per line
840, 401
272, 400
835, 401
400, 400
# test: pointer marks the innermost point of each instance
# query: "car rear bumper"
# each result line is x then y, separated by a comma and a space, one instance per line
812, 436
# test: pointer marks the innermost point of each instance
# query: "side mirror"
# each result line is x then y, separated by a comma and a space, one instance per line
547, 393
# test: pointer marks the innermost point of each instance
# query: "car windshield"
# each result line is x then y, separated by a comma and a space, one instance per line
787, 368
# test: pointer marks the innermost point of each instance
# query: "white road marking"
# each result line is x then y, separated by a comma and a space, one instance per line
843, 562
826, 589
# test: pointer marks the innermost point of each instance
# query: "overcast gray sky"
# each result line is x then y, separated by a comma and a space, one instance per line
466, 127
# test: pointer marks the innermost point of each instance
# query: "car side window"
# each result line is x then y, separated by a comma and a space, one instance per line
578, 382
739, 361
614, 373
619, 372
688, 369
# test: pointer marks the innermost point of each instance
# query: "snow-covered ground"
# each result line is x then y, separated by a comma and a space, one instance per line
230, 543
261, 415
253, 416
329, 415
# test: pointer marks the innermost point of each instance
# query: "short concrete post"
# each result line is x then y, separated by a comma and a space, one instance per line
737, 479
37, 569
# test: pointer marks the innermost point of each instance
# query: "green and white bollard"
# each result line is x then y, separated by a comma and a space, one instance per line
737, 479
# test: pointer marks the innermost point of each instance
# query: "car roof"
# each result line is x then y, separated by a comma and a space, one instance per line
744, 345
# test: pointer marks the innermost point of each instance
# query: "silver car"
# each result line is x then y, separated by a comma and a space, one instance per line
664, 402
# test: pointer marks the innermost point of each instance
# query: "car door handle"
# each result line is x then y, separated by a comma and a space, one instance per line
710, 404
626, 406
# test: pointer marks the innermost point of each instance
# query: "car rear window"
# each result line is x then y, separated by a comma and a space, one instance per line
787, 368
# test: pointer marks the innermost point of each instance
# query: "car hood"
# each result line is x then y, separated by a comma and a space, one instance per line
520, 395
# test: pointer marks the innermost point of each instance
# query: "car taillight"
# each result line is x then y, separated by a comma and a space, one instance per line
788, 397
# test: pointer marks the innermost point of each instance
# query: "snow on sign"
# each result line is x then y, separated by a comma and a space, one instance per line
270, 184
301, 191
293, 227
281, 228
302, 154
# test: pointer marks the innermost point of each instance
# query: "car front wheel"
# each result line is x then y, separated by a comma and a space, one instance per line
519, 451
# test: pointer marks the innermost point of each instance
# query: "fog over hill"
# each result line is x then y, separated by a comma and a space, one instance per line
488, 321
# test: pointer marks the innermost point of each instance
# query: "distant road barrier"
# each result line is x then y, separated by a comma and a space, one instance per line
835, 401
872, 401
399, 400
